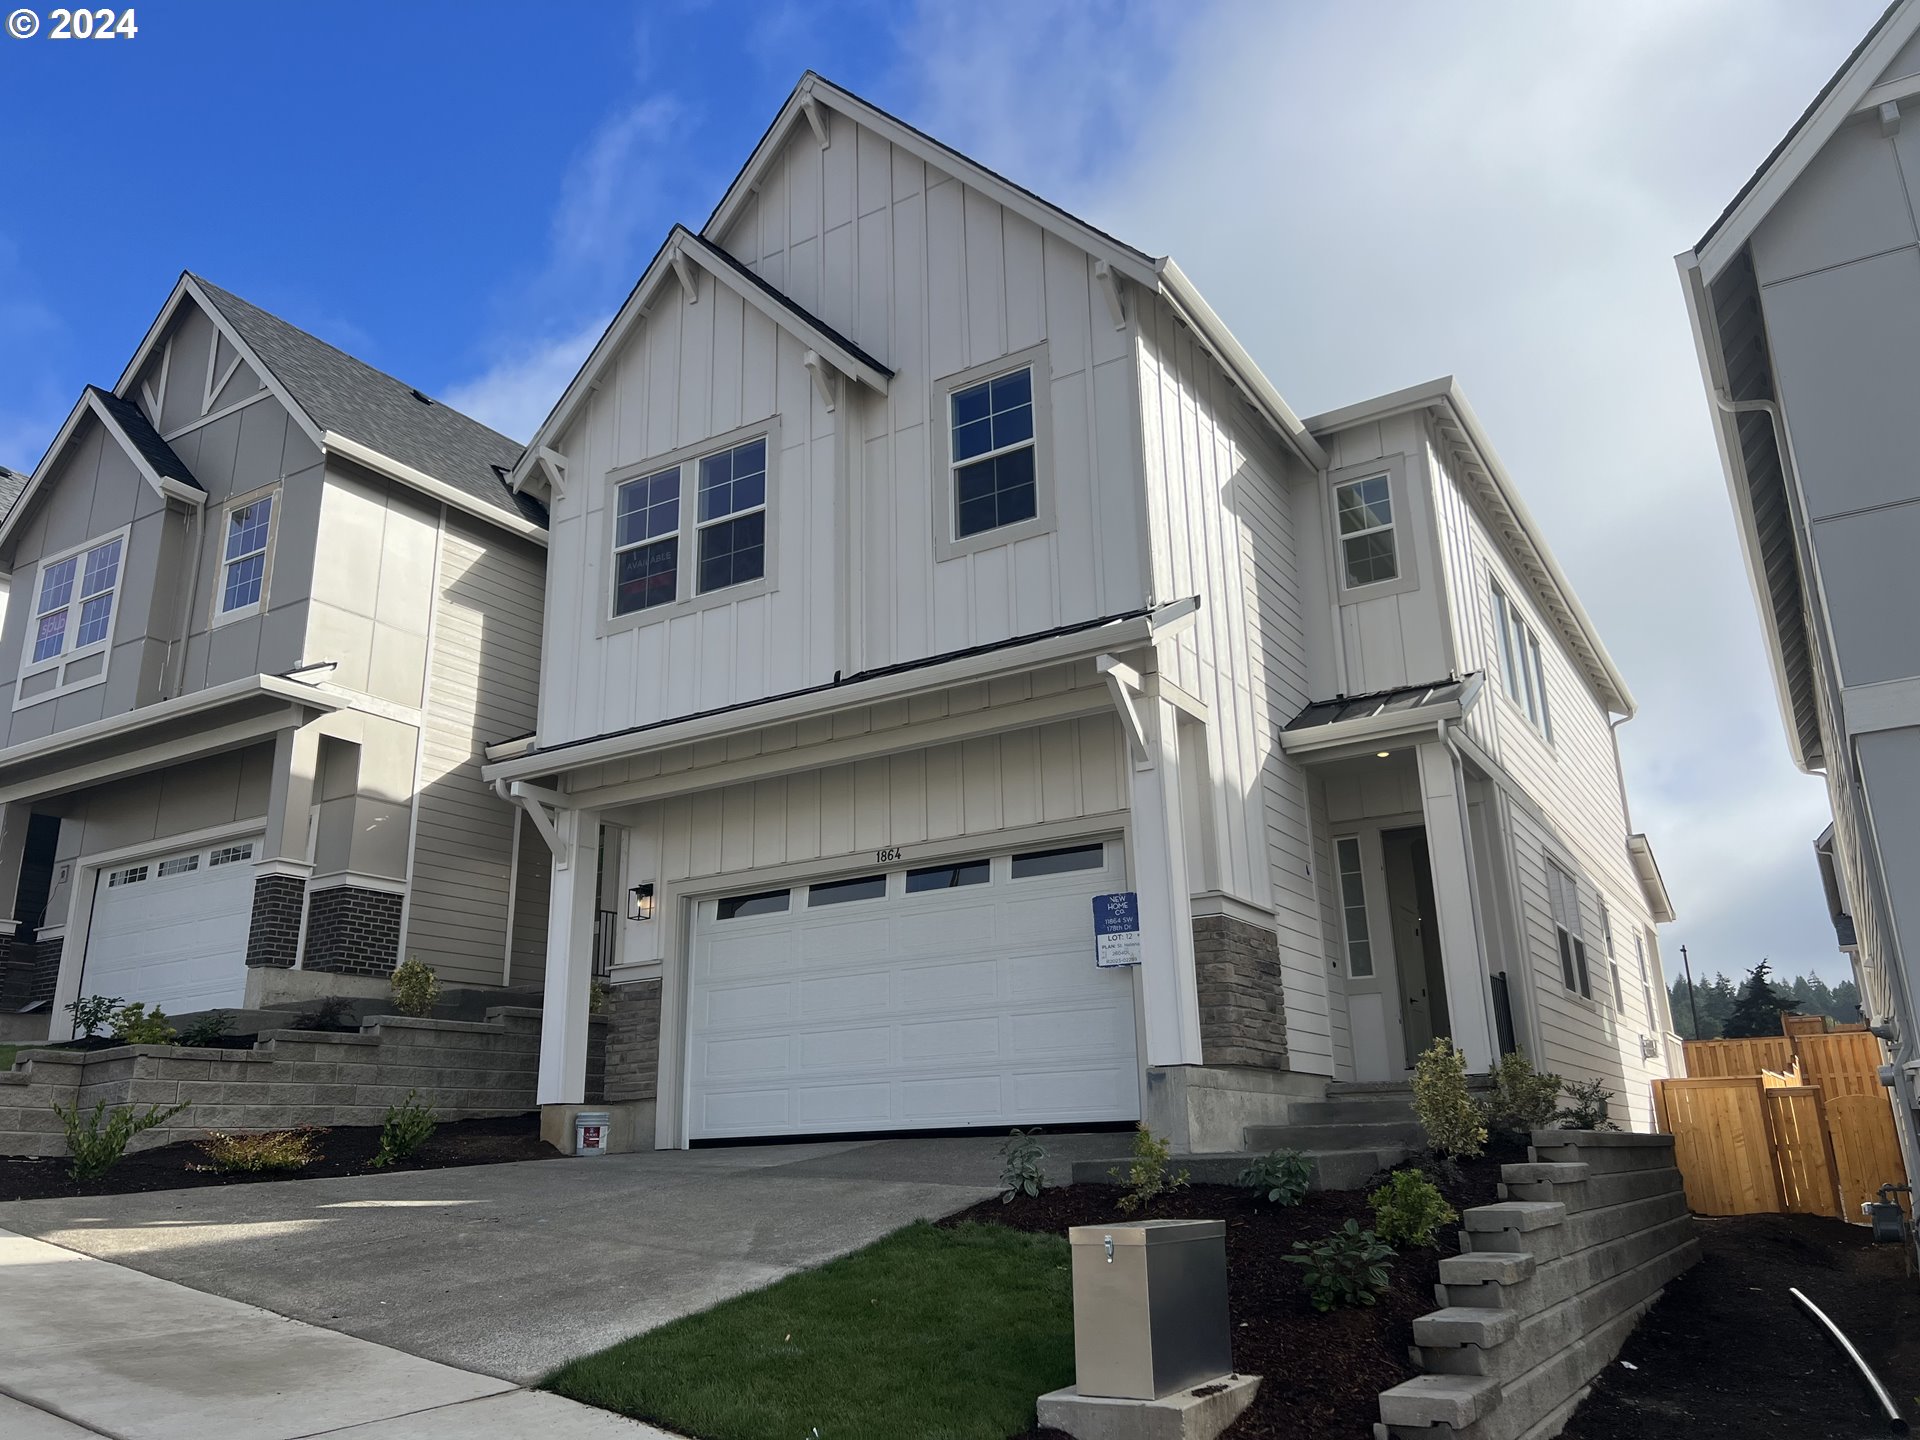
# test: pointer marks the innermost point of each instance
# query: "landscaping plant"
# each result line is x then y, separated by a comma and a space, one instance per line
132, 1024
97, 1148
1445, 1109
1147, 1177
1409, 1209
415, 987
1349, 1267
274, 1150
1523, 1099
208, 1029
90, 1012
1280, 1177
409, 1125
1021, 1175
1590, 1110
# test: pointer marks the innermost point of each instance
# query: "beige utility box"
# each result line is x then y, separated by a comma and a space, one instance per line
1149, 1307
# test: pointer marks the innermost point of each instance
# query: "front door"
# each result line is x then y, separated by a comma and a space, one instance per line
1416, 939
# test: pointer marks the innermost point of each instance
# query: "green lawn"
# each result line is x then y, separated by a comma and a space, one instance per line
930, 1333
7, 1052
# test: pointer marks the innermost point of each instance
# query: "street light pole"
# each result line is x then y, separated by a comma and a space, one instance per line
1693, 1003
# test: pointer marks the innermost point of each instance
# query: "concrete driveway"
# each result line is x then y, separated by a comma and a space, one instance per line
511, 1270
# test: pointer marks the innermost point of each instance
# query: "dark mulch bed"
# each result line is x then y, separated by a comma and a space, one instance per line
344, 1150
1728, 1353
1324, 1373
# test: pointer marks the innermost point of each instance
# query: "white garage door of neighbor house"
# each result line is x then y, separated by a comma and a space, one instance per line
170, 929
958, 994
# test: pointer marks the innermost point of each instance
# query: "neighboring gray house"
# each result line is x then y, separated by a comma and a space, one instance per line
1805, 302
266, 603
930, 568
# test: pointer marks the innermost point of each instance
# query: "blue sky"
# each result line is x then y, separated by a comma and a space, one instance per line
1370, 194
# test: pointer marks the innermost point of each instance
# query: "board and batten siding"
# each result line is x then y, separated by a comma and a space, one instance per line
483, 685
1569, 809
931, 279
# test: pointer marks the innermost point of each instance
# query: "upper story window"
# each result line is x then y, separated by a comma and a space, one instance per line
1364, 510
714, 496
1564, 893
71, 626
243, 563
995, 474
1654, 1021
1613, 960
1521, 668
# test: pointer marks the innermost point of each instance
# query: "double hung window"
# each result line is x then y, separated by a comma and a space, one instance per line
725, 493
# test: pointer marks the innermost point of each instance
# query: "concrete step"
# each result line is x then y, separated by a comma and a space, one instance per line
1406, 1134
1355, 1110
1342, 1089
1332, 1169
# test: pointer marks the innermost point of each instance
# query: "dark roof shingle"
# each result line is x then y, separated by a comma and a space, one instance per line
129, 420
351, 398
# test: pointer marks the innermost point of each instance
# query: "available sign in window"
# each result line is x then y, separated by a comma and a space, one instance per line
1116, 929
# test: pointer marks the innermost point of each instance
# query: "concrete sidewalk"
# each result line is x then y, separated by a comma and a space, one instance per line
89, 1349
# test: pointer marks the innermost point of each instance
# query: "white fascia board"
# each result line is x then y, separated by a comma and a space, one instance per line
1808, 138
168, 487
1733, 469
333, 443
1640, 849
844, 360
509, 749
181, 706
1232, 357
1371, 729
964, 670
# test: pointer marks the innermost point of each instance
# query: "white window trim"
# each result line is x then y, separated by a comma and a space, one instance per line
1568, 921
221, 617
1340, 897
1613, 958
691, 470
687, 562
1394, 468
946, 516
30, 609
1522, 663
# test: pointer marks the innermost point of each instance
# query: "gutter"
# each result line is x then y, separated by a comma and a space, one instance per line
1400, 724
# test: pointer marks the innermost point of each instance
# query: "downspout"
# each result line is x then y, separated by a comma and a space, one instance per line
1907, 1046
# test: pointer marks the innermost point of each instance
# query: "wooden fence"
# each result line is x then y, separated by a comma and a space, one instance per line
1797, 1123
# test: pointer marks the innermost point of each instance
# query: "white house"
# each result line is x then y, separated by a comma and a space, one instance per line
926, 563
1804, 297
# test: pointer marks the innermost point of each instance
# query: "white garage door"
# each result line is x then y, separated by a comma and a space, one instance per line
171, 929
942, 996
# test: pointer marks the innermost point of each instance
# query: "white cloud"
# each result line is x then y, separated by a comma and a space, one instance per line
515, 393
1375, 195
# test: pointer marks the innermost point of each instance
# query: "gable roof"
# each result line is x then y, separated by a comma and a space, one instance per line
344, 396
1514, 525
1850, 90
152, 453
813, 101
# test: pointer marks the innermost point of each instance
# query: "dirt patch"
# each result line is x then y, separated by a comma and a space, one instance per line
1323, 1372
1729, 1353
344, 1150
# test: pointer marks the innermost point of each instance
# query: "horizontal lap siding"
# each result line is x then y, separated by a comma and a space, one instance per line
483, 684
1568, 808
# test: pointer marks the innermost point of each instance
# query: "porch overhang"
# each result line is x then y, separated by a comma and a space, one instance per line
1647, 870
187, 727
1350, 725
563, 766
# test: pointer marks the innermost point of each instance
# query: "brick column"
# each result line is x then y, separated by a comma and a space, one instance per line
352, 931
1243, 1011
633, 1042
273, 936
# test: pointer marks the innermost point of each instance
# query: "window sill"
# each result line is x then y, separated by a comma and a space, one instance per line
245, 612
944, 549
692, 605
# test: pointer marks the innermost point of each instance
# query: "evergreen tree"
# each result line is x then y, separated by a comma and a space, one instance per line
1846, 1003
1759, 1007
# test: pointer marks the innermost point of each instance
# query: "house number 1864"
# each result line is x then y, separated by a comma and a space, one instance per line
886, 856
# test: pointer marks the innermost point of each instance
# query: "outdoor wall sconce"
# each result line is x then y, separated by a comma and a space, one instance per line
640, 902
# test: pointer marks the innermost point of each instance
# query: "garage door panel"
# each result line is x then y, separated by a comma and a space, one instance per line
978, 1005
170, 930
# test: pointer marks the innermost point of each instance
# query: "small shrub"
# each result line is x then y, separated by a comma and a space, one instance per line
132, 1024
334, 1012
1591, 1107
1349, 1267
273, 1151
415, 987
1523, 1099
1440, 1099
1409, 1208
600, 998
1280, 1177
1148, 1178
97, 1148
1021, 1175
409, 1125
91, 1012
208, 1029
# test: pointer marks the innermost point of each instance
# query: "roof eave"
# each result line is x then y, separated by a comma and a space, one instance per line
1652, 884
